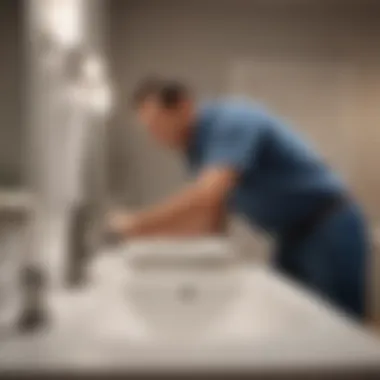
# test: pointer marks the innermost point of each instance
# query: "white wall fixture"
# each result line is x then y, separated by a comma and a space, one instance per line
87, 96
96, 87
63, 20
61, 116
60, 26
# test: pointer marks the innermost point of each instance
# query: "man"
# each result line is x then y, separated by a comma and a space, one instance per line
247, 161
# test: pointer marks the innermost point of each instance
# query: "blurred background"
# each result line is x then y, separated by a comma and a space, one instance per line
69, 144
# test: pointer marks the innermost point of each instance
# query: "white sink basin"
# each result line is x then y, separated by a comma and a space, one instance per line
181, 288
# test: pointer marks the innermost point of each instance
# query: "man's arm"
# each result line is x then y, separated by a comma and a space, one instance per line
195, 210
231, 151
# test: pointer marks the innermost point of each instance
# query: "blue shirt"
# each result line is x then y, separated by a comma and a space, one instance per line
281, 178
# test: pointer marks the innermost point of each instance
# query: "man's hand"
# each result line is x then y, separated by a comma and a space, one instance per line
193, 211
118, 222
118, 225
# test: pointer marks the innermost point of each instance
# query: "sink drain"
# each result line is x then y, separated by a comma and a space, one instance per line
187, 293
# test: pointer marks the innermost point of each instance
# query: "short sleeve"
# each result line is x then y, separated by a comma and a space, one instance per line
233, 143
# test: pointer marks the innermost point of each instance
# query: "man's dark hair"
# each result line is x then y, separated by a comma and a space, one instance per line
168, 92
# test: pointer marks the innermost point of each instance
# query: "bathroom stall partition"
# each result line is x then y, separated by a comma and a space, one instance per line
67, 66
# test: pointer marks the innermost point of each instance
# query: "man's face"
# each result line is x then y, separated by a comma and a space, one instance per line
167, 125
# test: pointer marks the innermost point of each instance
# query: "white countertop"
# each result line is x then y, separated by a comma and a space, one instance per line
286, 329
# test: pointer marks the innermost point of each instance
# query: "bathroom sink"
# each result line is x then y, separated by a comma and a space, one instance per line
130, 322
180, 288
